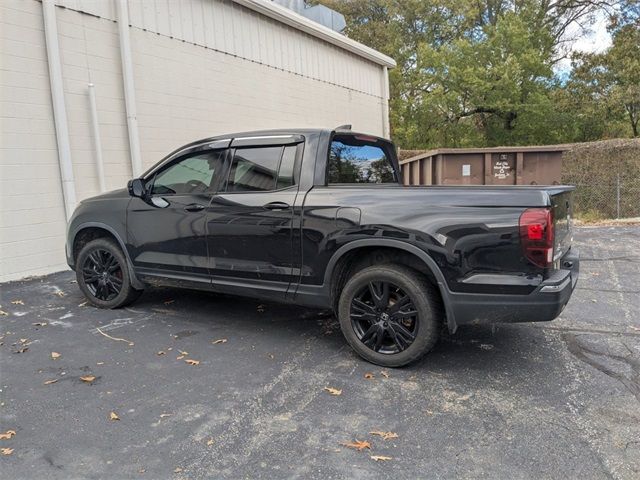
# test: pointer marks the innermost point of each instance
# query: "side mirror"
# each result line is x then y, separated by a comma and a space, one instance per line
136, 188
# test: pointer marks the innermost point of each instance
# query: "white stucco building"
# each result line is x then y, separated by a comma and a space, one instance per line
180, 71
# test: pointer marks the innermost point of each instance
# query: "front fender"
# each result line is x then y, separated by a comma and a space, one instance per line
76, 229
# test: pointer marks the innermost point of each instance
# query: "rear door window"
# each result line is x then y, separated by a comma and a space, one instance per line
262, 169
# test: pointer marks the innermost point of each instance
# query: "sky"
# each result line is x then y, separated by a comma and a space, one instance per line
596, 39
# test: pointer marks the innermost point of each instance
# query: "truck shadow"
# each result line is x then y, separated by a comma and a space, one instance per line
474, 354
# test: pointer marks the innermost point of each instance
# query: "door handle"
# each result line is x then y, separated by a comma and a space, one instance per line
194, 207
276, 206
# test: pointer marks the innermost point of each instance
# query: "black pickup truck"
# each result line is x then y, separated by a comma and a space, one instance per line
320, 218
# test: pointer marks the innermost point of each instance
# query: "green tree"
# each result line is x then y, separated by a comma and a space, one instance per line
606, 86
471, 72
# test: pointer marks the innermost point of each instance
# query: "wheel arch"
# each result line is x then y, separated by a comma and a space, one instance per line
342, 262
89, 231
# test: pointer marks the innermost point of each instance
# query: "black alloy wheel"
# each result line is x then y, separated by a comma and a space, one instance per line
390, 314
384, 317
102, 274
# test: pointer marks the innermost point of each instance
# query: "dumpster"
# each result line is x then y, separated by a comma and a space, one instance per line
531, 165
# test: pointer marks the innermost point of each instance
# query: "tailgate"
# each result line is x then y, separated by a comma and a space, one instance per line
562, 209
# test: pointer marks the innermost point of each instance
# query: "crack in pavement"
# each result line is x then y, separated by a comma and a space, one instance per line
587, 354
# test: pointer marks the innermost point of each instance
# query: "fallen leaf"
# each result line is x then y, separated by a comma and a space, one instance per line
177, 470
7, 435
168, 302
17, 302
39, 324
22, 350
220, 340
3, 313
635, 328
333, 391
88, 378
260, 308
192, 362
368, 376
271, 356
6, 451
380, 458
358, 445
180, 357
83, 304
163, 415
385, 435
142, 470
99, 363
210, 442
429, 412
60, 293
160, 353
183, 353
49, 382
55, 355
385, 374
114, 416
24, 340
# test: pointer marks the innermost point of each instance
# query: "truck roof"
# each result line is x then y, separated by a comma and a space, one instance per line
278, 131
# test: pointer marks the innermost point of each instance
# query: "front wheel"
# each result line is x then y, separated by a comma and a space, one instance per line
103, 276
390, 315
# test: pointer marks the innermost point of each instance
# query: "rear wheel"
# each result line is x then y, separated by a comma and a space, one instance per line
103, 276
390, 315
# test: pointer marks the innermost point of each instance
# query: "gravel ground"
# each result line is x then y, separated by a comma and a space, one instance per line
545, 400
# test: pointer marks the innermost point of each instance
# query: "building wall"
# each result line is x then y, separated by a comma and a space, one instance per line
235, 70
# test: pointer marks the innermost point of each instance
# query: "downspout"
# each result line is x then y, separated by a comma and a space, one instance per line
129, 87
96, 136
386, 130
59, 109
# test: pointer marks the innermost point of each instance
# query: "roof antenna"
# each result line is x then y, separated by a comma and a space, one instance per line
344, 127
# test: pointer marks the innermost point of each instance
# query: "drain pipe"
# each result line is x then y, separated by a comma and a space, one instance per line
129, 87
96, 136
59, 109
385, 103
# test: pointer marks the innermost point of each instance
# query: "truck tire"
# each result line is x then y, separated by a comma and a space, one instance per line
390, 315
103, 276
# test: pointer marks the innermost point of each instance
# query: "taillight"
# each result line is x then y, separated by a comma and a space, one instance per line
536, 236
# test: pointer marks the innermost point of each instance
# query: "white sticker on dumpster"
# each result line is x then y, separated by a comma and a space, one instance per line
466, 170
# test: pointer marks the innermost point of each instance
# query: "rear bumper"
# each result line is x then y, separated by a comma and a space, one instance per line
545, 303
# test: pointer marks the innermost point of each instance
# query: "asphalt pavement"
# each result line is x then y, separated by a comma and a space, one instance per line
535, 400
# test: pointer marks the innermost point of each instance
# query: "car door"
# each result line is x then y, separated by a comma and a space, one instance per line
250, 221
167, 229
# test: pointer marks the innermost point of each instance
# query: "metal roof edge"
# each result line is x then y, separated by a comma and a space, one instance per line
297, 21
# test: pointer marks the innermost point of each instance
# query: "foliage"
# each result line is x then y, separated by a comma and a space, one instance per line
482, 72
604, 172
606, 86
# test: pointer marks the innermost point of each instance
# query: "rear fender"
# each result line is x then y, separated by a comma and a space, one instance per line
429, 262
